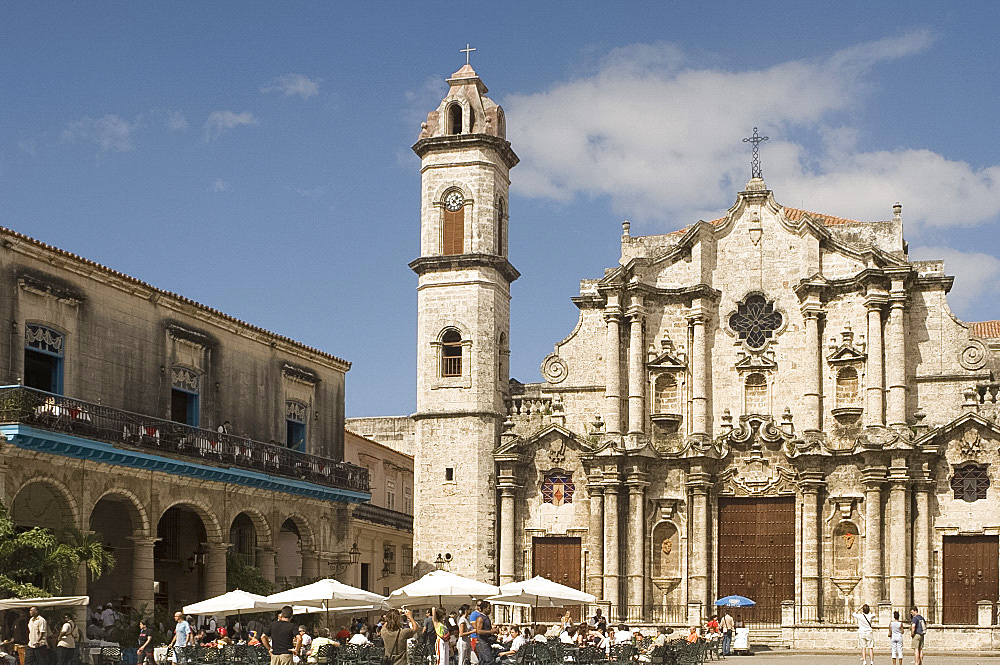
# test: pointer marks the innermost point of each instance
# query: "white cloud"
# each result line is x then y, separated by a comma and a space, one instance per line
220, 122
661, 137
293, 84
220, 185
110, 132
176, 121
975, 276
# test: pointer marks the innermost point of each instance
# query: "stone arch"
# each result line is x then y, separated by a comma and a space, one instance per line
307, 535
54, 517
265, 535
213, 527
136, 510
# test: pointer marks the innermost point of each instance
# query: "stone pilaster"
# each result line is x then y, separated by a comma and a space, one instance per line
215, 568
895, 359
595, 571
143, 574
811, 486
611, 546
813, 372
922, 546
265, 562
635, 564
506, 534
636, 369
874, 372
898, 533
699, 486
699, 374
612, 371
873, 478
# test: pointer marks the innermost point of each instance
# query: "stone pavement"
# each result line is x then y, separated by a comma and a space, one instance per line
851, 658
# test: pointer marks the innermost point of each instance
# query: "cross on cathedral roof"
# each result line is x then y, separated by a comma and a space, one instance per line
467, 51
755, 160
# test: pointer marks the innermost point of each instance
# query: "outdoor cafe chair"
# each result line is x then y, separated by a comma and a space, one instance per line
110, 656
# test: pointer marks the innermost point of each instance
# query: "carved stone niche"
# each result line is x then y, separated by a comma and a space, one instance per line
666, 559
846, 557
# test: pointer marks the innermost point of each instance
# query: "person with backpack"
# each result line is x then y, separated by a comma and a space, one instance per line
918, 626
66, 641
866, 634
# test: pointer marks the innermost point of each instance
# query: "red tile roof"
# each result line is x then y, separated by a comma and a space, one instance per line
795, 214
985, 328
133, 280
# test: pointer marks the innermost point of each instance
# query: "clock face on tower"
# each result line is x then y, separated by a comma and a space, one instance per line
454, 201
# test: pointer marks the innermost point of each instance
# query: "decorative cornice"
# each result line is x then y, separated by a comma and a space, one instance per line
426, 264
461, 141
53, 287
64, 445
300, 374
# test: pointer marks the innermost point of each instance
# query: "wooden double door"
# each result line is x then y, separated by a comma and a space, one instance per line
970, 571
557, 559
757, 553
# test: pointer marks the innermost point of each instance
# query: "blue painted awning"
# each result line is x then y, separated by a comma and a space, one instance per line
67, 445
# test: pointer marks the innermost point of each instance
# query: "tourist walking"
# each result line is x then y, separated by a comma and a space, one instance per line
183, 637
394, 635
37, 652
66, 641
442, 645
896, 639
483, 634
464, 647
145, 650
918, 626
866, 634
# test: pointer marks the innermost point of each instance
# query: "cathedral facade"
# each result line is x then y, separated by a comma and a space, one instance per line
776, 403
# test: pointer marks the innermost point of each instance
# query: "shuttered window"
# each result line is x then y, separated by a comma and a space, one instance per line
454, 231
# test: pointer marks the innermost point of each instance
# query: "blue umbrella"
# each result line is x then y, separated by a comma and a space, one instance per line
735, 601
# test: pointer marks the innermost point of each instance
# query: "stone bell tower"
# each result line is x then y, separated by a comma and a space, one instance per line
463, 327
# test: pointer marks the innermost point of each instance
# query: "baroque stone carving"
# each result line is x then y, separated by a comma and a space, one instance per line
554, 369
973, 355
756, 321
972, 443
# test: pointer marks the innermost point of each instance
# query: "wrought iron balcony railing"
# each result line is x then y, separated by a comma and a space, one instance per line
384, 516
28, 406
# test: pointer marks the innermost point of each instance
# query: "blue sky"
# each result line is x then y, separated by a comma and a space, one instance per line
255, 156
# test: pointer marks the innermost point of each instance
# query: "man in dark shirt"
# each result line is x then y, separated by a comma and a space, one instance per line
918, 625
427, 634
279, 638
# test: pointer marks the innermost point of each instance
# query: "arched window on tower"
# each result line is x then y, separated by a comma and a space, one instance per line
667, 395
755, 394
501, 124
451, 353
848, 393
455, 119
454, 223
501, 229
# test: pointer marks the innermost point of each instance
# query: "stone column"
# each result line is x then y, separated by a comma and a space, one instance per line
699, 375
700, 556
611, 548
811, 485
813, 373
215, 568
265, 561
895, 363
595, 569
897, 531
922, 488
635, 565
143, 571
874, 377
636, 369
612, 371
506, 534
873, 479
310, 565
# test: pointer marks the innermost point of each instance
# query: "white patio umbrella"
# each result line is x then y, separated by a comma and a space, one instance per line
541, 592
52, 601
440, 589
232, 602
327, 595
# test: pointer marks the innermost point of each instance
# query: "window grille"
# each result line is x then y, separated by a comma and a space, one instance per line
970, 482
558, 488
755, 321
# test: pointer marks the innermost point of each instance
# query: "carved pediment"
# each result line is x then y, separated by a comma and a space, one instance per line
846, 354
757, 475
667, 361
756, 362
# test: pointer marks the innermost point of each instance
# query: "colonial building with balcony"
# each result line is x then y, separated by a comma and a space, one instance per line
178, 433
382, 527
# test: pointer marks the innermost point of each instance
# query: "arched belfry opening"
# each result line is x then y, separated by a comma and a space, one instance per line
455, 119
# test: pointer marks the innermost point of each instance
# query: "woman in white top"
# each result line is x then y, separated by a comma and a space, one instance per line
866, 634
360, 637
464, 646
896, 639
